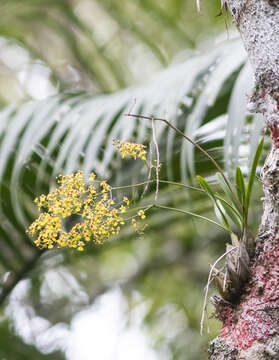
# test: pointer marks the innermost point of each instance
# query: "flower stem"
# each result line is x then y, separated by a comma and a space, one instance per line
214, 162
190, 213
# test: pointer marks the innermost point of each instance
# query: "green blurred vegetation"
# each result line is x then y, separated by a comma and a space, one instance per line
70, 53
95, 45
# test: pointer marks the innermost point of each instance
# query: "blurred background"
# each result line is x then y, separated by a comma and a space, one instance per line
69, 70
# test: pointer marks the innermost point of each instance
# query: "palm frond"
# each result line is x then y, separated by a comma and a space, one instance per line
93, 45
64, 133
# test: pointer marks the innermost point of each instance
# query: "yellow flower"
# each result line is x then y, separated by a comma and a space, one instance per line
122, 209
137, 151
141, 214
126, 201
98, 214
92, 177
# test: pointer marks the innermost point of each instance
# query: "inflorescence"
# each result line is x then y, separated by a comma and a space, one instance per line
87, 208
98, 215
137, 151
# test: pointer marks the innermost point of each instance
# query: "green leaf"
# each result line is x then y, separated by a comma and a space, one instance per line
240, 188
252, 178
207, 188
231, 212
221, 216
230, 195
236, 212
191, 214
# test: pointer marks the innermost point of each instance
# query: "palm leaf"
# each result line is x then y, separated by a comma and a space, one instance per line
64, 133
97, 41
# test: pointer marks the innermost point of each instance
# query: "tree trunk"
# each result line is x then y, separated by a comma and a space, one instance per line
251, 325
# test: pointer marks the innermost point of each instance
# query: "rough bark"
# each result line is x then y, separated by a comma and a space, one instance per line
251, 322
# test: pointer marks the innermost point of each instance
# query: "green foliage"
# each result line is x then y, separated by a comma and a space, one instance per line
207, 188
64, 133
237, 196
240, 185
94, 45
252, 178
229, 192
203, 94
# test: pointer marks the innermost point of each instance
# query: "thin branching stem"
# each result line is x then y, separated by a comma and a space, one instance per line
144, 208
149, 169
180, 184
160, 181
132, 186
194, 143
157, 159
191, 214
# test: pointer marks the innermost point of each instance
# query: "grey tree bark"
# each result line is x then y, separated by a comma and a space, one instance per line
251, 324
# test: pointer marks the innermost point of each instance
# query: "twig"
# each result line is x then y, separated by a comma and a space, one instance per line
180, 184
160, 181
208, 283
149, 171
214, 162
133, 105
157, 159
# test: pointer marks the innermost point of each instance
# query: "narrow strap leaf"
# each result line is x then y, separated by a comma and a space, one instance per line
230, 211
239, 179
252, 178
191, 214
230, 195
207, 188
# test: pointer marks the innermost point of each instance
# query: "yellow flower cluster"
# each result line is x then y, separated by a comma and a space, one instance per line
131, 149
139, 228
98, 216
141, 214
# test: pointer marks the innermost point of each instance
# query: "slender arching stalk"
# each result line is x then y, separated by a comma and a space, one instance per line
160, 181
190, 213
214, 162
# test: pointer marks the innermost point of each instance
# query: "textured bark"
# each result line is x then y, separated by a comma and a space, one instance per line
251, 322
